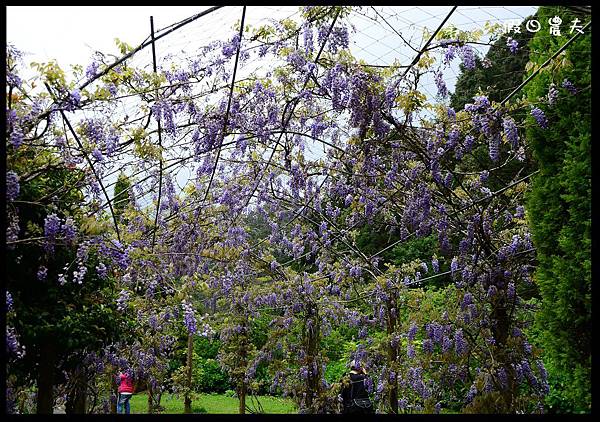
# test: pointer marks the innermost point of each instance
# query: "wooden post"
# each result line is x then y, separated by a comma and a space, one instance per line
312, 339
160, 168
392, 353
187, 405
45, 379
114, 390
242, 388
77, 394
150, 399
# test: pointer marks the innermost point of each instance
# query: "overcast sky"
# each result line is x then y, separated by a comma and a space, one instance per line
71, 34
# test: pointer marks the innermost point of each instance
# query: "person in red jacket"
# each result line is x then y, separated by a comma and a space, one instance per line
125, 382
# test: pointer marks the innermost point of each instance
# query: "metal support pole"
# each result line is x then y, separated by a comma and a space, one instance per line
160, 171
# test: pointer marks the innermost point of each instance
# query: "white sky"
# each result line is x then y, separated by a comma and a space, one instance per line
71, 34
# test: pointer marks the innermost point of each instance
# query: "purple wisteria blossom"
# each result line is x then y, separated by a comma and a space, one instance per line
539, 117
13, 347
471, 394
453, 137
510, 131
520, 211
9, 302
435, 265
12, 185
454, 265
469, 141
79, 274
102, 270
441, 85
338, 39
460, 345
512, 44
494, 147
568, 85
307, 34
122, 300
69, 229
230, 48
450, 53
189, 318
73, 100
16, 137
483, 176
427, 346
451, 114
467, 55
412, 331
52, 226
97, 155
552, 94
355, 271
92, 70
12, 79
446, 344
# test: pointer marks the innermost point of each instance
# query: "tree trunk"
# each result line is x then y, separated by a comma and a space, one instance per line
150, 399
242, 388
242, 383
157, 400
312, 349
77, 394
242, 394
500, 333
114, 390
45, 381
187, 405
392, 355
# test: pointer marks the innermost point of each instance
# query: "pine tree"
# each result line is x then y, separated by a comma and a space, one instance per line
559, 212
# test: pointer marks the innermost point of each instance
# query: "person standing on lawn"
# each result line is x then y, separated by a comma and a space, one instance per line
126, 389
354, 395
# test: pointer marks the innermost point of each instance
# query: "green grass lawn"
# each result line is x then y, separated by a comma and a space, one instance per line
213, 403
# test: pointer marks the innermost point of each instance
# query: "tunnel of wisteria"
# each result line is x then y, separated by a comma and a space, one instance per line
253, 197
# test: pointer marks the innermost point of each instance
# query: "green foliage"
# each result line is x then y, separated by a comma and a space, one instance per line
206, 348
72, 318
211, 377
335, 370
371, 239
559, 214
419, 248
259, 332
333, 345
